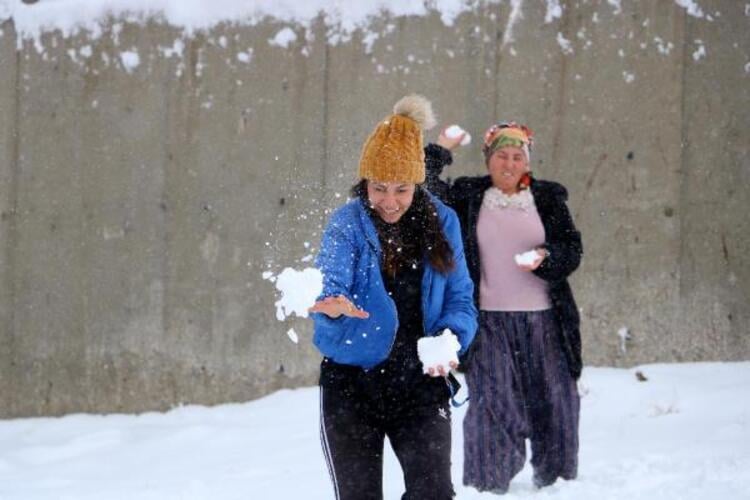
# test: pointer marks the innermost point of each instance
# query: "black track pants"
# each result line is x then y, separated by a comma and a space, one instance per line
353, 429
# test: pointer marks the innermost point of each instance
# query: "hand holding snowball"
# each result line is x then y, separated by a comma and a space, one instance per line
529, 261
452, 137
334, 307
438, 354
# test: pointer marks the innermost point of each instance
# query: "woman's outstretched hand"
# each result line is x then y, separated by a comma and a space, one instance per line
334, 307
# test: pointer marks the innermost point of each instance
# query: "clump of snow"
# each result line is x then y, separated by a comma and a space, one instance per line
454, 131
130, 60
284, 38
616, 4
628, 77
299, 289
624, 335
554, 11
369, 40
176, 49
438, 350
691, 7
268, 275
449, 10
564, 44
700, 52
663, 47
245, 57
515, 15
526, 258
292, 335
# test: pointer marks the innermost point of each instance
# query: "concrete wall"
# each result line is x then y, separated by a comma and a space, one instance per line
139, 208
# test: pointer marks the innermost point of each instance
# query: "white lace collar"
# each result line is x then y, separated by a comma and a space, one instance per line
495, 198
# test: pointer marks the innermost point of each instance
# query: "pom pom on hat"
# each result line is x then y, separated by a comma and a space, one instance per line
418, 108
394, 151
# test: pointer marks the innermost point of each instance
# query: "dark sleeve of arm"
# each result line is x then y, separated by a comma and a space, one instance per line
436, 158
564, 245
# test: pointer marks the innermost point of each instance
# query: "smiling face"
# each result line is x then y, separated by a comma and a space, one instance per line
506, 166
390, 200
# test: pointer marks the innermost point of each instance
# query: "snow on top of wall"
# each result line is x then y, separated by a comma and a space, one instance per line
71, 16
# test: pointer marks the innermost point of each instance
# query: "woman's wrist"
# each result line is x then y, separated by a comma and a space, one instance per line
439, 153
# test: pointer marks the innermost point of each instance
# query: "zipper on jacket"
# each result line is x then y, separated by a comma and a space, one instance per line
374, 243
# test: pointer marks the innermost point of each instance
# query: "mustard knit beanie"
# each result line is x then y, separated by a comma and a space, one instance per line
394, 151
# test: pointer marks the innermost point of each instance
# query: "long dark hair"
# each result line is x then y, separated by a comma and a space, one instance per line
419, 231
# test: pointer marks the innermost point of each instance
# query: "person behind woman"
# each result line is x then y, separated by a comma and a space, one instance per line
393, 272
523, 366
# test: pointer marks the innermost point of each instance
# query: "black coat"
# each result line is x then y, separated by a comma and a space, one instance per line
563, 241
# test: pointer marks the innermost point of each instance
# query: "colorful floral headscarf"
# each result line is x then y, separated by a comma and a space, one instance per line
505, 134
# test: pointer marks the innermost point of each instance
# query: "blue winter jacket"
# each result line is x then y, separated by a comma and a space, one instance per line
349, 259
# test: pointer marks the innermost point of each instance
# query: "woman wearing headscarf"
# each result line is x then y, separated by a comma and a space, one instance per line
521, 246
393, 272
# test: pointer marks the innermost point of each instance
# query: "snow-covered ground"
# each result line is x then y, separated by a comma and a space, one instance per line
682, 434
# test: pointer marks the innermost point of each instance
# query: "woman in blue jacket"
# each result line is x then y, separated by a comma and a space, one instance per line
393, 272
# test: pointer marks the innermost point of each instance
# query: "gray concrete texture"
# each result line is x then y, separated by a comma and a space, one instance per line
140, 206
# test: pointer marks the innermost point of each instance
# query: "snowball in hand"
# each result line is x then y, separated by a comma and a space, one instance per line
455, 131
299, 289
438, 350
526, 258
